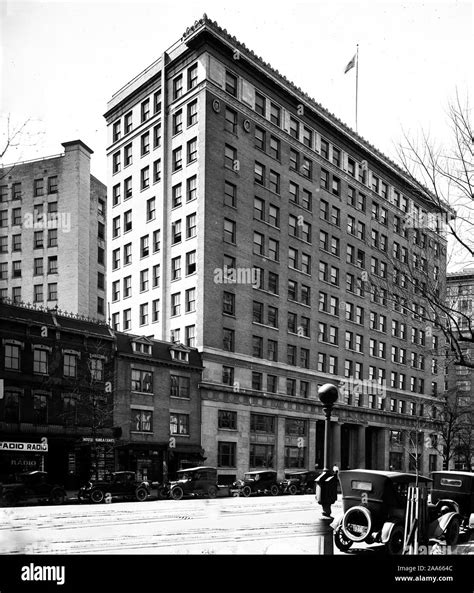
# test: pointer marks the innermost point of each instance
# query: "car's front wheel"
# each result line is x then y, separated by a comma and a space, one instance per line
342, 542
177, 493
394, 544
162, 492
292, 489
97, 496
212, 492
141, 494
57, 496
246, 491
274, 490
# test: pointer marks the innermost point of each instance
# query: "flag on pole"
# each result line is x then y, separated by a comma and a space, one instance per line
350, 65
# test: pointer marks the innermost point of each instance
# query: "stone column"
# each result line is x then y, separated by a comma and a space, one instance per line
361, 447
280, 448
311, 443
383, 448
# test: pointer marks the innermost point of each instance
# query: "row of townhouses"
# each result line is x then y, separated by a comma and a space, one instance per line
249, 248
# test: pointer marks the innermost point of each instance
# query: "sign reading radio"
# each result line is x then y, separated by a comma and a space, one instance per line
26, 447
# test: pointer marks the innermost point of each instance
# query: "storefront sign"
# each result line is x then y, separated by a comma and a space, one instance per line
26, 447
97, 440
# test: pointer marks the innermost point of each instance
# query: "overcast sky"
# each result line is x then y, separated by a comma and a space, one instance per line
63, 60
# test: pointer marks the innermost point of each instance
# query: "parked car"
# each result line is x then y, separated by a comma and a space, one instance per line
32, 487
374, 507
454, 490
300, 482
118, 485
195, 481
258, 482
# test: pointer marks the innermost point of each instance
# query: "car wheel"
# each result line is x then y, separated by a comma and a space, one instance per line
57, 496
274, 490
342, 542
394, 544
212, 492
177, 493
9, 498
451, 535
97, 496
141, 494
162, 493
246, 491
292, 489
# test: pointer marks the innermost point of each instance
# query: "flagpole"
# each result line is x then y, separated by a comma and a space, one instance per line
357, 81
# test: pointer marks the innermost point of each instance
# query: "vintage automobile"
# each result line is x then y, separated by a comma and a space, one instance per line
454, 490
374, 507
194, 481
121, 484
258, 482
299, 482
32, 486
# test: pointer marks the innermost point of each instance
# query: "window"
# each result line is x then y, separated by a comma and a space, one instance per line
262, 423
190, 300
177, 122
141, 420
38, 293
144, 280
70, 365
192, 150
259, 171
16, 217
177, 162
179, 424
226, 454
229, 231
150, 209
192, 76
294, 127
230, 120
11, 409
127, 319
127, 254
180, 386
175, 304
262, 456
38, 187
260, 104
53, 265
228, 339
127, 221
16, 243
231, 83
225, 418
3, 218
145, 109
12, 357
274, 147
115, 163
192, 113
145, 178
257, 381
257, 346
260, 138
275, 114
97, 368
157, 136
190, 263
176, 232
145, 143
127, 155
176, 197
40, 361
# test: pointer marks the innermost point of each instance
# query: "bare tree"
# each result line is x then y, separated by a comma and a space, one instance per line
14, 137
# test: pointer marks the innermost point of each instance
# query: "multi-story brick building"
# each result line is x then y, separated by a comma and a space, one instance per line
54, 371
157, 406
103, 400
248, 221
460, 380
52, 232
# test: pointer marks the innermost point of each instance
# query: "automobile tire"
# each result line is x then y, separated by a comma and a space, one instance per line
451, 535
342, 542
57, 496
394, 544
246, 491
292, 489
97, 496
177, 493
9, 498
141, 494
212, 492
274, 490
162, 493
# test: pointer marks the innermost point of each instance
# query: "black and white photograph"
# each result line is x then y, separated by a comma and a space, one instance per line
236, 296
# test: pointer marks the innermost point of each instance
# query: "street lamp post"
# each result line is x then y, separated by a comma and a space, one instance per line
326, 483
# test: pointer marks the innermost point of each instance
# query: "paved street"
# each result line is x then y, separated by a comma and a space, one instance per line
263, 525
